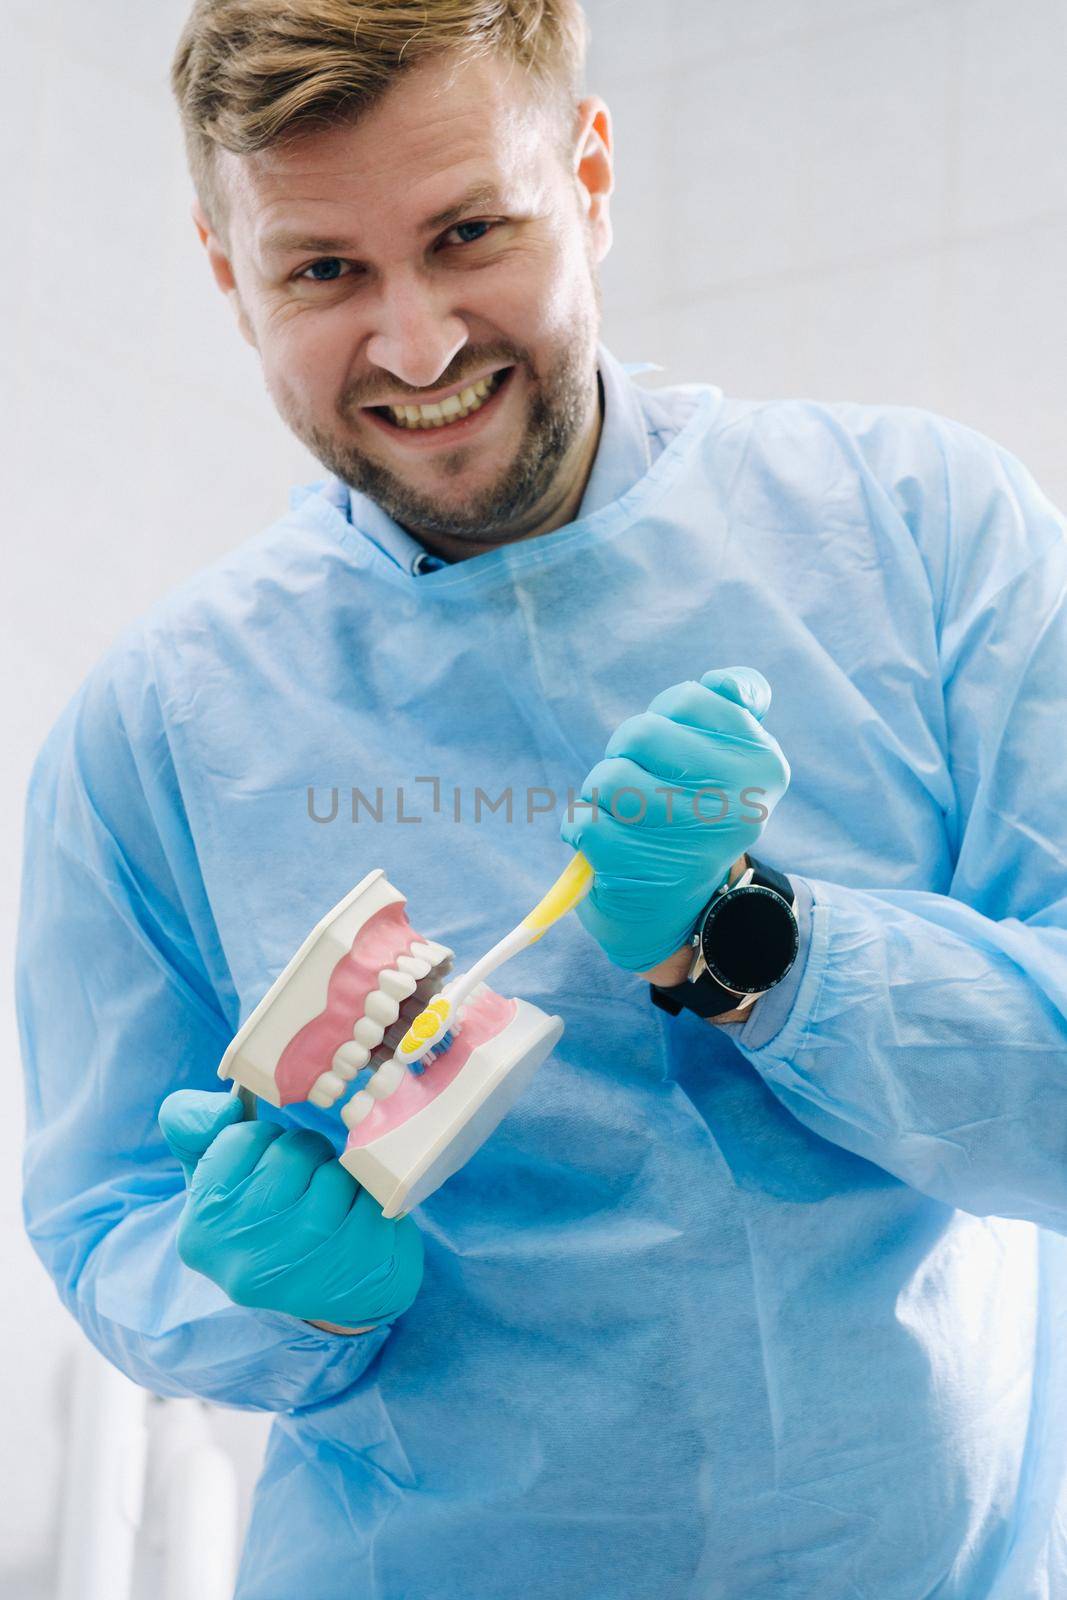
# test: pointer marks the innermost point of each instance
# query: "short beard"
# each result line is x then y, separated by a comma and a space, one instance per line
558, 406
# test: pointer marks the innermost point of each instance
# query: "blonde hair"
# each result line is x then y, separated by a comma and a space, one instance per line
246, 73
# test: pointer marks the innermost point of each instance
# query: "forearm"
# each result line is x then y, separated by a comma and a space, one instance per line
674, 970
333, 1327
732, 1016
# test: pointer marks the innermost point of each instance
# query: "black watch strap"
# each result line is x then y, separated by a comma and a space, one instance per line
705, 996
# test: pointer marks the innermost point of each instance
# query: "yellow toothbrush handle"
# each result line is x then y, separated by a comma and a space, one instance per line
570, 887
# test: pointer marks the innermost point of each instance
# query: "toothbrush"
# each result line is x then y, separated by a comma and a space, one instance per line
430, 1026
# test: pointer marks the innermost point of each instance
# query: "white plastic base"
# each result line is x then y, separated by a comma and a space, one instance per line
403, 1167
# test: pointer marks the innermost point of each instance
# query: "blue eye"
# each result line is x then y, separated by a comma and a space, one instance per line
471, 231
327, 261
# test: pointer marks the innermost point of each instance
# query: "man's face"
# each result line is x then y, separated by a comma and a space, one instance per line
443, 246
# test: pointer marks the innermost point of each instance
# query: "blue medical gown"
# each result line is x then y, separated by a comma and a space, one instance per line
700, 1319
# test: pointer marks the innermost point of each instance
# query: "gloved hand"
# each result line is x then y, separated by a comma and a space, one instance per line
656, 873
275, 1220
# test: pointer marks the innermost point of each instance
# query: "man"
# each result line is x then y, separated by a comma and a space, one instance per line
740, 1300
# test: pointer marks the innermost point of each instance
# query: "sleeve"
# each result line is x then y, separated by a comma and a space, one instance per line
769, 1012
116, 1008
928, 1032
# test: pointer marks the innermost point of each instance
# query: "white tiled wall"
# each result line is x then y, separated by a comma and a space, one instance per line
858, 199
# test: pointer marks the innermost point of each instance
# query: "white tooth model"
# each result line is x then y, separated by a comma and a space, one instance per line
343, 1004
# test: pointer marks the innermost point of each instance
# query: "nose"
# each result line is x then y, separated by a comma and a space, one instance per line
415, 339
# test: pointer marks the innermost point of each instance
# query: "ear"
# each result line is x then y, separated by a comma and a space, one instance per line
222, 270
594, 169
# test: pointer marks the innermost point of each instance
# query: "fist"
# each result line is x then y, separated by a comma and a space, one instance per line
275, 1220
685, 788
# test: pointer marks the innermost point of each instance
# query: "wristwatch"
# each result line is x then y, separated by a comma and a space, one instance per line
745, 943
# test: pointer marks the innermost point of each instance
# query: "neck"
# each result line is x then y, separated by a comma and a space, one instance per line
556, 508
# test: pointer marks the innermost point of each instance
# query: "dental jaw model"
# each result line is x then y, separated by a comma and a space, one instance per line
345, 1003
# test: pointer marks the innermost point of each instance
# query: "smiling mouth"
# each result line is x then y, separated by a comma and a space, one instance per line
443, 413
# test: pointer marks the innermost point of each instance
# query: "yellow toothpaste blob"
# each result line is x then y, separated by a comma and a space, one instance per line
424, 1026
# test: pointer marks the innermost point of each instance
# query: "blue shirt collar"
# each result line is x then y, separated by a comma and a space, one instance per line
623, 457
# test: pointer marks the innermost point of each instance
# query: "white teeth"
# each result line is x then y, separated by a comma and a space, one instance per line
360, 1106
368, 1032
387, 1079
398, 985
326, 1088
432, 952
468, 398
452, 406
381, 1008
349, 1061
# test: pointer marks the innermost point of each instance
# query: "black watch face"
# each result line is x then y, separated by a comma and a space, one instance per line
750, 940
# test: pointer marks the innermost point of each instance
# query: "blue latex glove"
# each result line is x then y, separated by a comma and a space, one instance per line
656, 873
274, 1219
